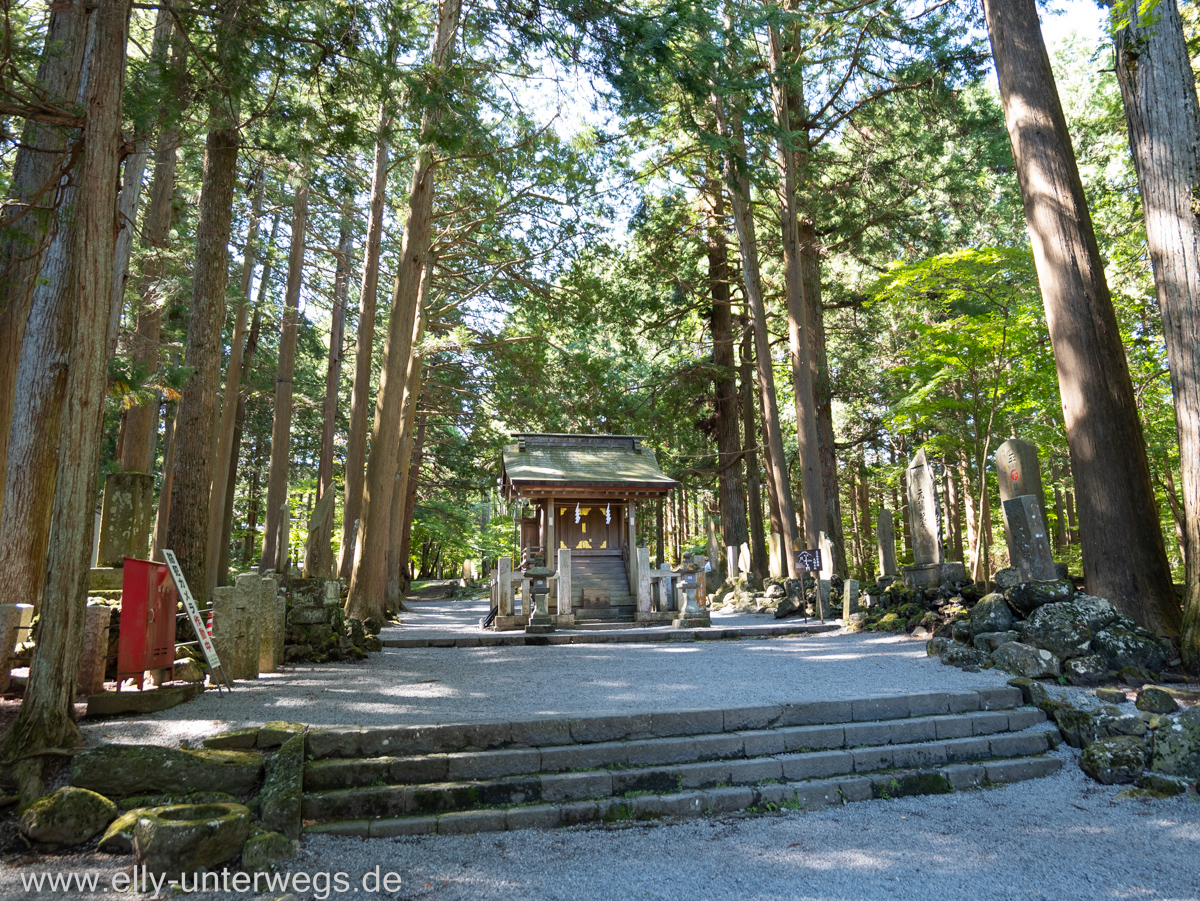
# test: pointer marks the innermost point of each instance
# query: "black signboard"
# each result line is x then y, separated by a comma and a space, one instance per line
808, 561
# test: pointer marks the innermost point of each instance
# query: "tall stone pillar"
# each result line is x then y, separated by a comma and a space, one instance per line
225, 630
885, 538
125, 517
1018, 474
90, 679
564, 581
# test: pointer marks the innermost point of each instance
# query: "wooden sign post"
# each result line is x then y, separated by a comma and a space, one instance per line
809, 561
193, 613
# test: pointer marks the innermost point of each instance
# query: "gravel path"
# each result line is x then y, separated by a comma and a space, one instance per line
439, 685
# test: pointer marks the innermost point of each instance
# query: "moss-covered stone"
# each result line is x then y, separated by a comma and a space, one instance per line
1078, 727
262, 853
233, 740
1160, 786
68, 816
907, 784
283, 787
187, 837
1091, 669
136, 801
1124, 643
1021, 659
1177, 745
123, 770
1155, 700
275, 733
1118, 760
1026, 597
991, 614
1032, 691
1112, 695
118, 838
965, 658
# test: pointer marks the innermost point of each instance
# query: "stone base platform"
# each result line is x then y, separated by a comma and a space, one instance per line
111, 703
931, 575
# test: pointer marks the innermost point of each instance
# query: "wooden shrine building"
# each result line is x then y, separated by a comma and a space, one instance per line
579, 493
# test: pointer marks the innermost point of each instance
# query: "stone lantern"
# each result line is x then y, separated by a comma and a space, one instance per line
691, 614
540, 620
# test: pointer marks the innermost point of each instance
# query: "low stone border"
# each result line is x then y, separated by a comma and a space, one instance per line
630, 636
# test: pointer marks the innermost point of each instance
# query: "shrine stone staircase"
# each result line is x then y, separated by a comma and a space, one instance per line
604, 578
547, 772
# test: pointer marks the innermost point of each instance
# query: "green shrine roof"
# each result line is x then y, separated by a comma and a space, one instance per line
582, 461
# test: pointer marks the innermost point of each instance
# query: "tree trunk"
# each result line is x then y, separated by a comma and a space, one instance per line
1123, 553
360, 399
281, 428
187, 522
758, 539
1177, 514
1158, 88
729, 439
368, 581
162, 514
953, 510
226, 442
34, 194
1060, 511
410, 503
865, 520
248, 546
46, 717
127, 207
739, 196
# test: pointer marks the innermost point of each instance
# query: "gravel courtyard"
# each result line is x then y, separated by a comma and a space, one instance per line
1064, 837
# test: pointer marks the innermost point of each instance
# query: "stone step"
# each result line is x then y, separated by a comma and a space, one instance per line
543, 732
767, 797
474, 791
334, 773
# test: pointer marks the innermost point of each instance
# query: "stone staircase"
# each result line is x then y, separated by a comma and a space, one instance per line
603, 576
540, 773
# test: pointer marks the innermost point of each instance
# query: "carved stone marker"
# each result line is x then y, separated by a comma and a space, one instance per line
1029, 545
849, 599
125, 518
924, 512
885, 538
1018, 473
95, 647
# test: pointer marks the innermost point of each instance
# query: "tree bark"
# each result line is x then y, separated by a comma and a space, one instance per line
188, 520
360, 399
226, 433
281, 427
1124, 558
414, 482
1158, 88
34, 195
729, 439
865, 520
46, 717
368, 581
758, 538
739, 197
953, 511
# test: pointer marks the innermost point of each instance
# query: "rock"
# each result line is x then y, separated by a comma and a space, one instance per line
775, 590
1095, 612
262, 853
991, 614
1126, 725
989, 641
275, 733
1115, 761
1025, 660
135, 801
1007, 578
1078, 727
1135, 676
961, 631
122, 770
68, 816
1177, 745
936, 646
1089, 670
372, 643
1032, 692
355, 630
1126, 644
118, 838
373, 625
297, 651
1160, 786
964, 657
787, 607
186, 837
233, 740
1112, 695
1028, 596
282, 788
188, 670
1155, 700
1061, 629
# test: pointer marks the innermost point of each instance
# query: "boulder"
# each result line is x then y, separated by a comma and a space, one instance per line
989, 641
372, 643
775, 591
1126, 644
373, 625
1032, 692
960, 630
1078, 727
283, 787
1177, 746
68, 816
135, 801
1119, 760
123, 770
787, 607
1111, 695
964, 657
937, 646
1154, 700
1089, 670
991, 614
1126, 725
1160, 786
118, 838
1007, 578
188, 670
187, 837
264, 852
1028, 596
1062, 629
1021, 659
